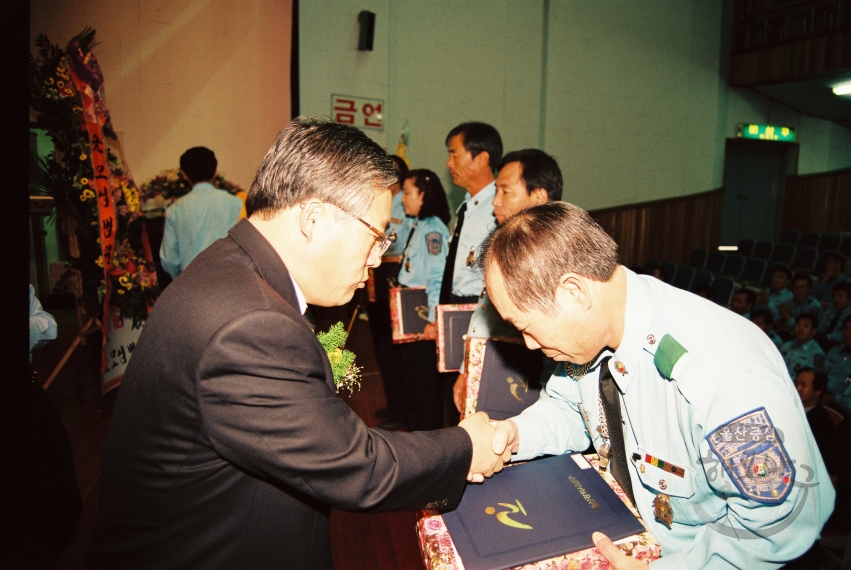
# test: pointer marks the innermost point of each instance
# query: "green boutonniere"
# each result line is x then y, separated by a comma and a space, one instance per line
346, 374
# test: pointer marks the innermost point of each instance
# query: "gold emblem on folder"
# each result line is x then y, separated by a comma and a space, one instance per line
505, 516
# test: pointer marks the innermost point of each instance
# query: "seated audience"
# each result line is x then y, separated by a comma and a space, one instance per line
803, 350
778, 293
763, 319
743, 302
837, 367
832, 275
810, 384
830, 322
801, 302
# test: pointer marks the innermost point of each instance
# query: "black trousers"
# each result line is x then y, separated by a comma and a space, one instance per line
422, 384
387, 354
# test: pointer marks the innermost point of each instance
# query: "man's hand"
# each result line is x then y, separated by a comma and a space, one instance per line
430, 331
617, 559
458, 392
485, 462
506, 439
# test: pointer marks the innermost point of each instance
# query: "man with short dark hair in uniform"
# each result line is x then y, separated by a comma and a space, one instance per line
685, 400
475, 151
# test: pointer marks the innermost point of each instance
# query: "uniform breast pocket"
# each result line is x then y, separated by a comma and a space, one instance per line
672, 484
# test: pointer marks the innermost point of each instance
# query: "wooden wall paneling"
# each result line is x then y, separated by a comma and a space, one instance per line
665, 229
818, 202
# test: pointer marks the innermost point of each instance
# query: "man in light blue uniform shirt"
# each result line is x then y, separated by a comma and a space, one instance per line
803, 350
475, 150
830, 322
801, 302
712, 441
526, 178
195, 221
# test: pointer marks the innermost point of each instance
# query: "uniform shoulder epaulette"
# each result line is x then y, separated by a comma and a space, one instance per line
667, 355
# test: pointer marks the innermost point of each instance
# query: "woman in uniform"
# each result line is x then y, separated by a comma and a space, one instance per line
422, 266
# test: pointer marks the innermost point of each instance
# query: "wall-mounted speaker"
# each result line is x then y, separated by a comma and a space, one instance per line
366, 19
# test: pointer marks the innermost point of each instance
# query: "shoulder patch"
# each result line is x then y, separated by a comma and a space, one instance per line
754, 457
434, 242
667, 355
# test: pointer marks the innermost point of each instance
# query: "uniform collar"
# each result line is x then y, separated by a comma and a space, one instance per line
204, 185
484, 196
636, 331
267, 262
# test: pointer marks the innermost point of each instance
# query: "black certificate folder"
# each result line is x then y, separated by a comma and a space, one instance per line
536, 511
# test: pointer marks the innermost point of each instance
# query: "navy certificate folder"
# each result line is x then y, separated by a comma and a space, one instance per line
535, 511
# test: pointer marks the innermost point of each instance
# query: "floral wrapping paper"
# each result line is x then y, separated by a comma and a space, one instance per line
439, 552
474, 355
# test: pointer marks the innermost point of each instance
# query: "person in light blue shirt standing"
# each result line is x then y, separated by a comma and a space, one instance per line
526, 178
475, 151
422, 266
195, 221
690, 405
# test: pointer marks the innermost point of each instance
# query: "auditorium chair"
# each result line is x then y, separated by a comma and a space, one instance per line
805, 260
830, 242
724, 287
698, 258
733, 266
790, 236
809, 239
763, 250
701, 278
746, 247
845, 248
682, 278
754, 271
715, 261
783, 253
669, 269
820, 264
650, 265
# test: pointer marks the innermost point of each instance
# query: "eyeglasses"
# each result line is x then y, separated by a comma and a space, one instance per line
382, 241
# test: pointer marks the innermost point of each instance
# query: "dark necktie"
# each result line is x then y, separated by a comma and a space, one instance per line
611, 400
833, 322
308, 316
449, 269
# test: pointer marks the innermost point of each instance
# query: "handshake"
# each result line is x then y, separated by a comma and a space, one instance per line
493, 444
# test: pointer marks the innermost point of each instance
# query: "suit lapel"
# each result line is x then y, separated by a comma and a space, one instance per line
269, 265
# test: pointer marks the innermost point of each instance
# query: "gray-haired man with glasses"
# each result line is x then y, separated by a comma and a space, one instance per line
228, 445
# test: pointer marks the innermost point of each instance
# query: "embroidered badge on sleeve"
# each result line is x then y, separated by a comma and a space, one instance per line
434, 243
754, 457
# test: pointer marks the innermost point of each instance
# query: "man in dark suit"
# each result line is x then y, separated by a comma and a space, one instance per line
228, 445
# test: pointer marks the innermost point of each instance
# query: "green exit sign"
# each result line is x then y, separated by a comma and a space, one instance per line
766, 132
